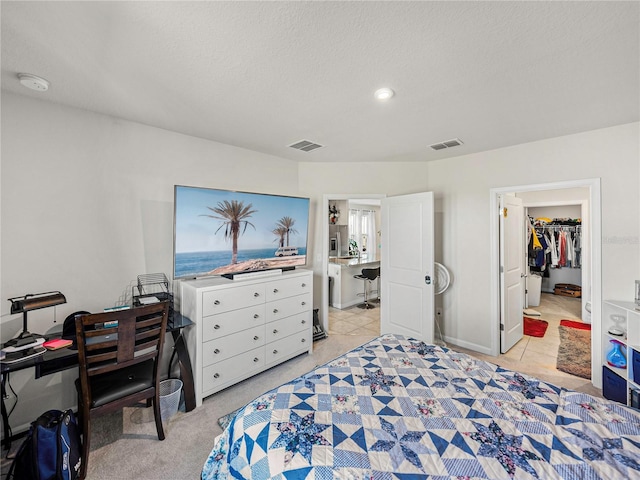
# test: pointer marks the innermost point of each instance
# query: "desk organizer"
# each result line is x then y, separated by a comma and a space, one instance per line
150, 286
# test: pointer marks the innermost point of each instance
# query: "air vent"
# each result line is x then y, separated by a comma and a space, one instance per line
305, 146
448, 144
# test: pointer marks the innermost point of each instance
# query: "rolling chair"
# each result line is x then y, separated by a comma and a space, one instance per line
368, 275
118, 366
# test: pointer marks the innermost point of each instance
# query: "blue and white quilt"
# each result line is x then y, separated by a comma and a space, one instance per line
397, 408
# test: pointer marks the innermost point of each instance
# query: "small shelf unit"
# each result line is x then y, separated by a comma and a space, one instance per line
621, 384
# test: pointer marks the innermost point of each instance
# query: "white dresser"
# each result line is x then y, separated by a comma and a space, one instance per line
243, 327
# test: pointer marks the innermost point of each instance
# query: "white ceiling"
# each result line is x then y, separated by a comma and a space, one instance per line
264, 75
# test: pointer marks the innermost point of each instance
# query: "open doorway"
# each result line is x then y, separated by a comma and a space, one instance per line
345, 251
585, 193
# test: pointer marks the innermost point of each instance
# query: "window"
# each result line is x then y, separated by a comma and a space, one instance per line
362, 230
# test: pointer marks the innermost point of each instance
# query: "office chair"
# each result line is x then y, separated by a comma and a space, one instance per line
118, 365
368, 275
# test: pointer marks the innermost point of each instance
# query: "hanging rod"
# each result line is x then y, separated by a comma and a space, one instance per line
556, 227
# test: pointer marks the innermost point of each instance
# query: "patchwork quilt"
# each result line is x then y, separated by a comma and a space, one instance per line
397, 408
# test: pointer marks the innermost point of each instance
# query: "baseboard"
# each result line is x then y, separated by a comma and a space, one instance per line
468, 345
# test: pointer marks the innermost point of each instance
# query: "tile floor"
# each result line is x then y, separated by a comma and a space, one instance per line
531, 355
354, 321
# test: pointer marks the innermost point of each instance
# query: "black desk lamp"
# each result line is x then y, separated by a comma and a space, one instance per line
26, 304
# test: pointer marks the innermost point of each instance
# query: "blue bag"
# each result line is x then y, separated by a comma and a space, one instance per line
51, 450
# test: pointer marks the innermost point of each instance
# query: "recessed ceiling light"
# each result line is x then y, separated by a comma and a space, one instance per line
384, 93
33, 82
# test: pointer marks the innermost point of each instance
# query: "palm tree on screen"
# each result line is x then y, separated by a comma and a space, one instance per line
287, 223
280, 232
233, 215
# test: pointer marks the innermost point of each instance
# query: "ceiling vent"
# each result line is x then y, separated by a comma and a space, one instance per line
448, 144
305, 145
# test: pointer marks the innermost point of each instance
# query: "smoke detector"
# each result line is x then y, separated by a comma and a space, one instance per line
33, 82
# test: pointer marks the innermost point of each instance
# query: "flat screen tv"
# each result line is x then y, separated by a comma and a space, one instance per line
222, 232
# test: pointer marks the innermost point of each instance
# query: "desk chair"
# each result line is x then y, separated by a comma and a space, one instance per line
368, 275
118, 366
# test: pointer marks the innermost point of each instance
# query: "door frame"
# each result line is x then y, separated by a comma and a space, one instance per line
594, 227
324, 288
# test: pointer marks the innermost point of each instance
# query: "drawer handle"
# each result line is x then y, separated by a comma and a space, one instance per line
216, 326
304, 285
275, 310
256, 359
256, 294
256, 337
303, 340
275, 331
216, 302
275, 290
304, 303
216, 351
216, 375
255, 315
275, 352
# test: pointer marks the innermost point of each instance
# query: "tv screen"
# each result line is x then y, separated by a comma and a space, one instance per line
222, 232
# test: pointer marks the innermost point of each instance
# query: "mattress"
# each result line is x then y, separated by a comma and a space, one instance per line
397, 408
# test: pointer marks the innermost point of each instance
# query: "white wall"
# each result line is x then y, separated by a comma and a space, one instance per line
87, 205
462, 186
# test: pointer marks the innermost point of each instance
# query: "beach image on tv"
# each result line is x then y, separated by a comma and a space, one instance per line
221, 232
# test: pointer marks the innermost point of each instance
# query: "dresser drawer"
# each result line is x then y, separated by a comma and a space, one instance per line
226, 371
287, 307
226, 347
287, 326
227, 299
296, 343
216, 326
288, 287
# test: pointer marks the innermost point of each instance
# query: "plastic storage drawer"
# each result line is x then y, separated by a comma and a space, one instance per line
614, 387
635, 362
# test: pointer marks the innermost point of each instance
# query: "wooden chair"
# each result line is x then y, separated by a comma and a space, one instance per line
118, 366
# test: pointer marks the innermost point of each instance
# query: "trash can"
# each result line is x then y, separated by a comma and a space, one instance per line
170, 391
534, 286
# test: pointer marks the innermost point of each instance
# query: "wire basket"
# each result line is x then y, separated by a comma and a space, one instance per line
169, 392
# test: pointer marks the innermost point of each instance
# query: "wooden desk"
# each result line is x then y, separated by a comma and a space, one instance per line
53, 361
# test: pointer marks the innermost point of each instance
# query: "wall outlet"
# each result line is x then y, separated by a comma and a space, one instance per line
439, 312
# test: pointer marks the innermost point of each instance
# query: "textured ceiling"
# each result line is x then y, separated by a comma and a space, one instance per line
263, 75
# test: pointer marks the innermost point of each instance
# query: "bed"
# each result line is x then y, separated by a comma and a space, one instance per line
397, 408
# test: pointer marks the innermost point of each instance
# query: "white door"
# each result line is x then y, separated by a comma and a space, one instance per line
406, 268
511, 271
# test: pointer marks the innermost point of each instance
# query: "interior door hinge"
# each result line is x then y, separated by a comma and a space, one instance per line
502, 327
503, 212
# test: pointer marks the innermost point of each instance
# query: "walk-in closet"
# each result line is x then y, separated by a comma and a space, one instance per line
555, 251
